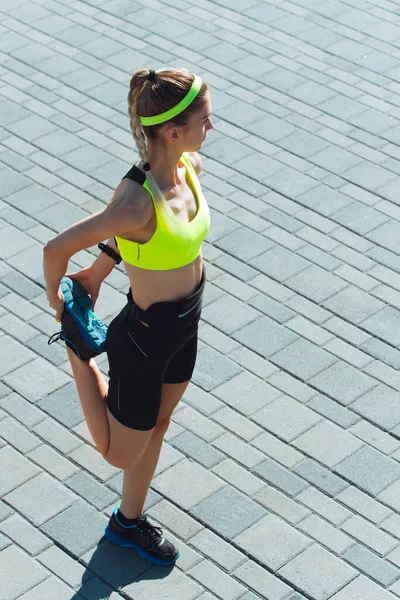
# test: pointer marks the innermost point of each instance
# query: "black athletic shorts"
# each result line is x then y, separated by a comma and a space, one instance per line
142, 358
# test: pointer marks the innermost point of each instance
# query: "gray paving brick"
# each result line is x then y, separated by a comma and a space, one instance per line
63, 405
92, 461
203, 483
201, 400
368, 563
286, 418
196, 422
315, 283
326, 534
390, 495
326, 507
343, 382
238, 476
217, 549
13, 562
279, 263
369, 176
382, 471
384, 442
60, 563
197, 449
14, 470
327, 443
40, 498
384, 325
303, 359
229, 314
239, 450
333, 200
11, 112
272, 308
242, 513
36, 379
236, 423
264, 336
329, 574
4, 542
52, 462
47, 590
379, 405
244, 243
279, 504
57, 436
332, 411
21, 409
78, 528
175, 520
362, 587
5, 511
18, 436
320, 477
280, 477
353, 304
273, 447
24, 534
370, 535
319, 257
213, 369
272, 542
216, 580
149, 585
259, 579
359, 218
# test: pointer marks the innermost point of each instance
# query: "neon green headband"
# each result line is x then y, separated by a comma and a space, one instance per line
176, 110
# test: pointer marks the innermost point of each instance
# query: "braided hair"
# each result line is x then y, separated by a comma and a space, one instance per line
152, 93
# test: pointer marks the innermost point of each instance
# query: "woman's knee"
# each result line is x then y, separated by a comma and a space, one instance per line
127, 445
121, 460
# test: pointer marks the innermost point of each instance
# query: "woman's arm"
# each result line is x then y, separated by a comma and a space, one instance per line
128, 211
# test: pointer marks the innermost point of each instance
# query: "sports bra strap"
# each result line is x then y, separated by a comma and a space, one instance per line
136, 175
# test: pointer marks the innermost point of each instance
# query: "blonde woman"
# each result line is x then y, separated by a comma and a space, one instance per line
156, 222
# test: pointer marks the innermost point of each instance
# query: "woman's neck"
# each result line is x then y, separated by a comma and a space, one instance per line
164, 167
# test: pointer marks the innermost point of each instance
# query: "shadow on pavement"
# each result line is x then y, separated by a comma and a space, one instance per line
114, 568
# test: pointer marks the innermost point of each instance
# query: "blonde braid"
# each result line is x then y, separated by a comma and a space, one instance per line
141, 142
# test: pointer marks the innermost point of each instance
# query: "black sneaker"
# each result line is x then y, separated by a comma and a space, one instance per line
81, 330
144, 537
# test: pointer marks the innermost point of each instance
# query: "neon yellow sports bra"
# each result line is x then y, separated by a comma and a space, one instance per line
174, 243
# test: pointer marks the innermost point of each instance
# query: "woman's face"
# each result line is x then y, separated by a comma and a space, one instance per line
200, 122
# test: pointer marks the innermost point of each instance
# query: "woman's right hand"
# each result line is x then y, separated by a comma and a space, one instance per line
57, 303
91, 281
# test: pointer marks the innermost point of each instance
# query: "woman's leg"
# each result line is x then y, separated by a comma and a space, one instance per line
121, 446
92, 389
137, 479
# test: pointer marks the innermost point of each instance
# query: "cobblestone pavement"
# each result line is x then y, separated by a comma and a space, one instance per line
280, 476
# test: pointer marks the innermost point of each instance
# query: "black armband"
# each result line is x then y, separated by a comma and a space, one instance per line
110, 252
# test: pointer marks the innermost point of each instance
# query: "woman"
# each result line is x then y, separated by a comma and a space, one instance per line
156, 222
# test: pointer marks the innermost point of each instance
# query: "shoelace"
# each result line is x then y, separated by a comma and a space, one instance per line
151, 532
55, 337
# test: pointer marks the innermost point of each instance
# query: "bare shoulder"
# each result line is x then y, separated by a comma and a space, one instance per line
132, 202
196, 161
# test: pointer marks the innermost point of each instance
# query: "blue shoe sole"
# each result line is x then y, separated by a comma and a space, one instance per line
79, 305
124, 543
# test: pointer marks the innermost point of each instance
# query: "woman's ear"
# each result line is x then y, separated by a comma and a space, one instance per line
172, 133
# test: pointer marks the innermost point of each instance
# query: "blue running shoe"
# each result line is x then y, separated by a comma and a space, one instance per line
144, 537
81, 330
